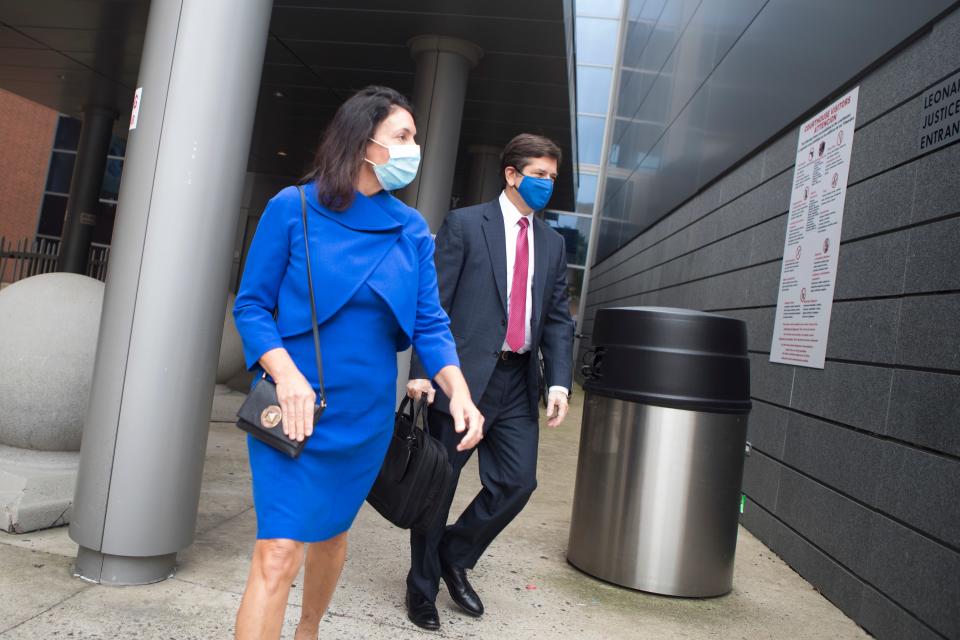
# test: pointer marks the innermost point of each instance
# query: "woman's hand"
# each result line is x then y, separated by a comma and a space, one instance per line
297, 401
420, 386
297, 398
466, 416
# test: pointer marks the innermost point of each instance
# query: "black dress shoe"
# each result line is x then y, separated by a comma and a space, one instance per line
422, 612
460, 590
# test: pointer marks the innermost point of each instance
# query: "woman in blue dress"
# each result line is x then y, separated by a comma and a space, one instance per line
376, 294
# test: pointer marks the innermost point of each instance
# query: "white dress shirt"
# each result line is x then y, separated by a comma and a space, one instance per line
511, 228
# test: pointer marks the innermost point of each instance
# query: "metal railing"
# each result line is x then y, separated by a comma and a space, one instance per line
97, 262
26, 258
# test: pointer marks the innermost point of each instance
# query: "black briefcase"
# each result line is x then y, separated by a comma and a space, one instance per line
416, 473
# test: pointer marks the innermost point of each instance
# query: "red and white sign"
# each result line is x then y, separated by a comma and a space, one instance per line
135, 112
809, 270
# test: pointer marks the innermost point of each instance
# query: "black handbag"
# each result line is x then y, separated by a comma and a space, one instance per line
260, 413
416, 473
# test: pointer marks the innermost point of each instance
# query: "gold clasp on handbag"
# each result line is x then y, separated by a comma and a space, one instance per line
271, 416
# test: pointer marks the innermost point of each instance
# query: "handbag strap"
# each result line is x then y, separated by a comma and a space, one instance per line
313, 302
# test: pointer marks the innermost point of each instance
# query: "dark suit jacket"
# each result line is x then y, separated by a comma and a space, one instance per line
471, 259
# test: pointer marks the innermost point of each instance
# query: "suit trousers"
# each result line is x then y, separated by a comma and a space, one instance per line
508, 473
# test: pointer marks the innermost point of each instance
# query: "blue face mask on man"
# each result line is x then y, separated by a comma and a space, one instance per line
535, 192
400, 169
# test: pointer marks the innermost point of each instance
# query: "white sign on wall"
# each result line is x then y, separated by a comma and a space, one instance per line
812, 243
135, 110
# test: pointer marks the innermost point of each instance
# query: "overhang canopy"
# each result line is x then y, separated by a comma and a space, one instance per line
65, 54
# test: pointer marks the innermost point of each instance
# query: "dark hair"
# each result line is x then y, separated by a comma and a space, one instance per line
523, 148
343, 144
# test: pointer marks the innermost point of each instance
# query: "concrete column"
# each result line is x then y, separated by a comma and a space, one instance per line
85, 186
485, 181
145, 433
439, 89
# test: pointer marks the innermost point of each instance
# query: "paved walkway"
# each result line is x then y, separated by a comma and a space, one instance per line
528, 588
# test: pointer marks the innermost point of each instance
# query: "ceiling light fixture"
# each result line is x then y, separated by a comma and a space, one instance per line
282, 154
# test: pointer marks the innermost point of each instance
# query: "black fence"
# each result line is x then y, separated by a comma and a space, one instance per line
24, 258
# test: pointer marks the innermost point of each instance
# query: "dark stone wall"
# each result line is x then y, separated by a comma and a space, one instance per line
854, 474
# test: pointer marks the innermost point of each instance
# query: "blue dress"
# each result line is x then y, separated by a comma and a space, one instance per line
376, 291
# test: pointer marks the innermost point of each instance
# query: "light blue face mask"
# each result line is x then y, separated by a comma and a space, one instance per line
400, 169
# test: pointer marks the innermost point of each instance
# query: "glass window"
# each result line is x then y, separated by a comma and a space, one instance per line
103, 232
589, 139
118, 146
52, 213
593, 89
596, 40
615, 154
68, 134
110, 189
575, 231
605, 8
586, 193
61, 172
574, 289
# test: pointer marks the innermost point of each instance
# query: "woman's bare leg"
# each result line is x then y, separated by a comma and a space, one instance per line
275, 566
324, 564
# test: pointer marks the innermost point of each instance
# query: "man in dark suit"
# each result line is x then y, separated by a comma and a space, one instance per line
502, 276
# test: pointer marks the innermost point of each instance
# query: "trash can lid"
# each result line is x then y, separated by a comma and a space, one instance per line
670, 357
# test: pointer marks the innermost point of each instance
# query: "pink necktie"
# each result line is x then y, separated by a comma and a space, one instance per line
516, 325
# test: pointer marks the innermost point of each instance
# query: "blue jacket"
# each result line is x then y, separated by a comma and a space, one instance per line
378, 240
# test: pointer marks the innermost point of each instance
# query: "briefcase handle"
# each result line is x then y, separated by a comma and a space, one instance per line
415, 411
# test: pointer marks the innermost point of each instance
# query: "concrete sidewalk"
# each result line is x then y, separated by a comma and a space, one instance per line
526, 584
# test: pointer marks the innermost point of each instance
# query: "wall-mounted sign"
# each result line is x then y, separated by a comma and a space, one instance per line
810, 249
940, 118
135, 111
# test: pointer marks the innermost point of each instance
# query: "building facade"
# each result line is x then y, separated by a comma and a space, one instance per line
679, 121
853, 470
37, 173
26, 135
213, 130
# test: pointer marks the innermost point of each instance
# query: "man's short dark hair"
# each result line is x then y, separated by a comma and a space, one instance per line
525, 147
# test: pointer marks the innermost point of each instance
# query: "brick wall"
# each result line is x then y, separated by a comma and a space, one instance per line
854, 477
26, 137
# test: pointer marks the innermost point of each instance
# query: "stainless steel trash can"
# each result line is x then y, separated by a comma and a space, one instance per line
657, 495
